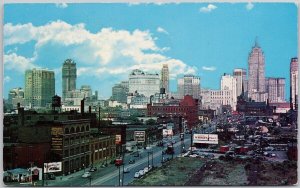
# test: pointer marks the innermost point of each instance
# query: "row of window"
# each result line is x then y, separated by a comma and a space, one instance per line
78, 129
76, 151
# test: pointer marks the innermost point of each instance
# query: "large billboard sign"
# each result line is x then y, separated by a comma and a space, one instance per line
205, 138
118, 139
139, 136
52, 167
167, 132
57, 138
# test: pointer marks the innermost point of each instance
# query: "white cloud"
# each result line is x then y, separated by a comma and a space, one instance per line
61, 5
6, 79
162, 30
104, 53
209, 68
19, 63
207, 9
249, 6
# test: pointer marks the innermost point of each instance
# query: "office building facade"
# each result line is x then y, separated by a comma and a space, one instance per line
143, 83
69, 76
256, 76
39, 87
188, 85
275, 87
165, 78
294, 83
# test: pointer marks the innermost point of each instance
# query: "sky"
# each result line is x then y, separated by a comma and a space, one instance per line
107, 41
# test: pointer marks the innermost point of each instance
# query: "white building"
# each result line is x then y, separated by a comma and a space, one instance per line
214, 99
144, 83
228, 83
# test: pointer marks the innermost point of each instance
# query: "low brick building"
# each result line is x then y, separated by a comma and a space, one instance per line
186, 108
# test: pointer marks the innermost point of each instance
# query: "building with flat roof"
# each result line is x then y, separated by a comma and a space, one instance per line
39, 87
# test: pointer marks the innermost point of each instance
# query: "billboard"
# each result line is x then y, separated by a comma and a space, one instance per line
205, 138
118, 139
56, 138
139, 136
167, 132
52, 167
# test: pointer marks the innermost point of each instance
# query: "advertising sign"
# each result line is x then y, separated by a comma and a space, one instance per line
205, 138
52, 167
167, 132
56, 138
118, 139
139, 136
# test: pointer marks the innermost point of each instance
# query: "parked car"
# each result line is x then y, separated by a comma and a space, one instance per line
86, 175
141, 172
93, 169
136, 174
131, 161
146, 169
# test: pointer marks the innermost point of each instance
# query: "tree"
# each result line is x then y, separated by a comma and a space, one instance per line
150, 122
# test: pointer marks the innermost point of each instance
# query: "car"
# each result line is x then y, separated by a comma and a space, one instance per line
141, 172
136, 175
193, 155
86, 175
273, 155
126, 170
146, 169
93, 169
131, 161
266, 153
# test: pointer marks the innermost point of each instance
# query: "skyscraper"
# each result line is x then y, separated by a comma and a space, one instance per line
256, 76
165, 78
68, 77
188, 85
275, 89
241, 80
294, 83
39, 87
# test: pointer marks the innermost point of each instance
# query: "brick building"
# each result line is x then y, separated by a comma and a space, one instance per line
186, 108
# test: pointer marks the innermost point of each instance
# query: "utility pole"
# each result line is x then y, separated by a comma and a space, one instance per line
148, 158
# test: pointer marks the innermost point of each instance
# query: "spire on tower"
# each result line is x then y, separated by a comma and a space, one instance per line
256, 42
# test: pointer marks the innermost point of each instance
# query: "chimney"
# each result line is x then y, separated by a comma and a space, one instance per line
82, 106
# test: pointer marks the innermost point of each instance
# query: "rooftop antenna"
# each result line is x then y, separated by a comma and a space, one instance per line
256, 42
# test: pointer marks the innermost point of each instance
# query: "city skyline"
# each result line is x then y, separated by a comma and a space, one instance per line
147, 43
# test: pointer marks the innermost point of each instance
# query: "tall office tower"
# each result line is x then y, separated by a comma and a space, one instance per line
39, 87
68, 77
241, 80
189, 85
229, 82
294, 83
275, 88
144, 83
165, 78
256, 76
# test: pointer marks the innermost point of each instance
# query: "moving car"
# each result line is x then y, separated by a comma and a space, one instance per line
93, 169
131, 161
86, 175
126, 170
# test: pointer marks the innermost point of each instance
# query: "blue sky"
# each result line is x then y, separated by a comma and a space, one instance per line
107, 41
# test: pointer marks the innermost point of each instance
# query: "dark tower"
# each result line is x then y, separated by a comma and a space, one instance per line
68, 77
